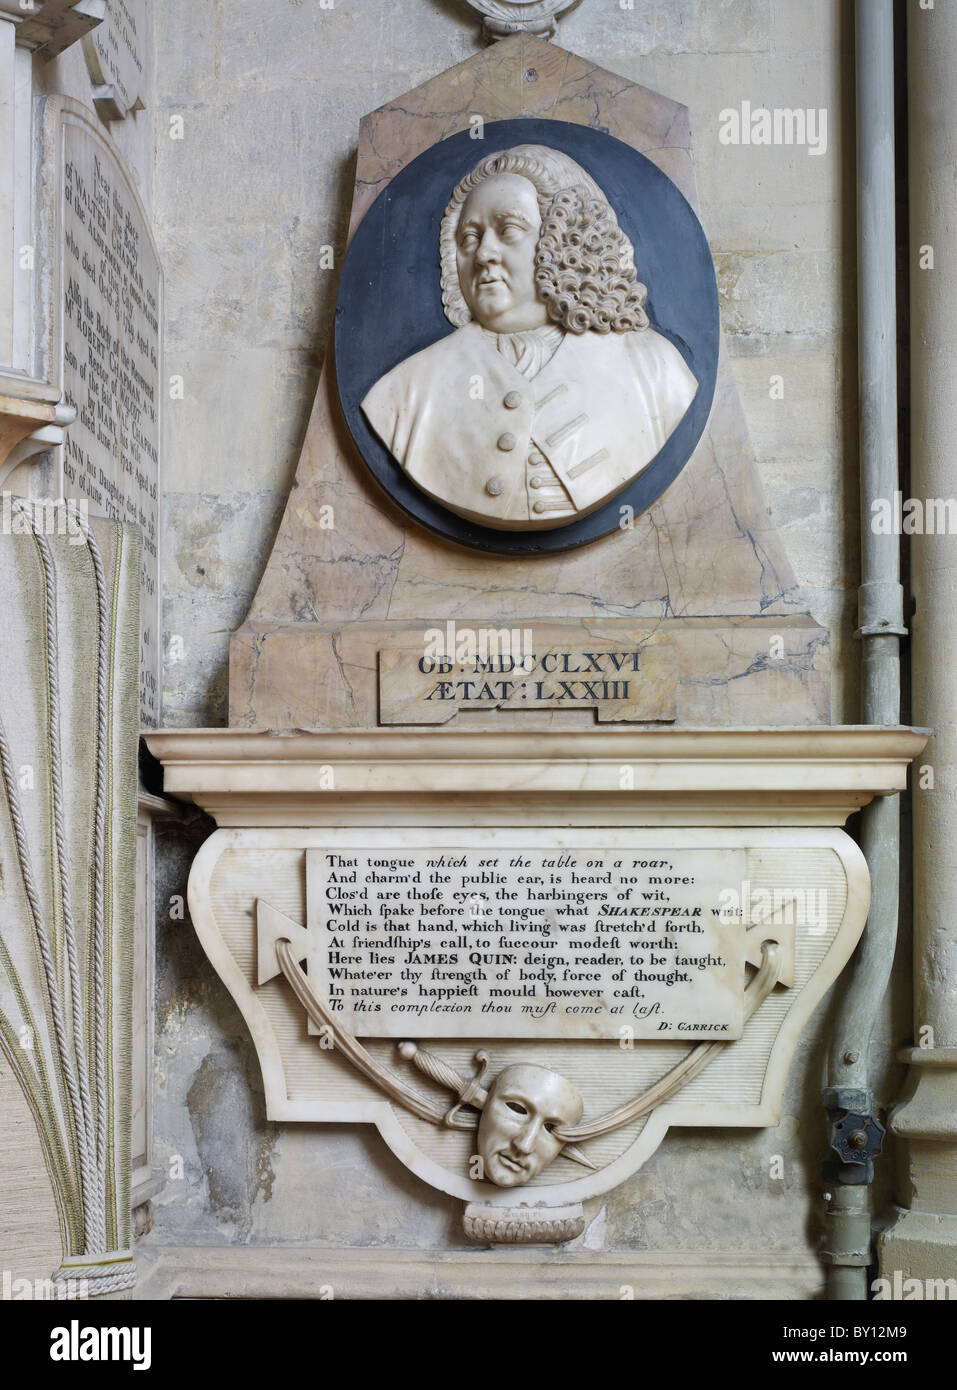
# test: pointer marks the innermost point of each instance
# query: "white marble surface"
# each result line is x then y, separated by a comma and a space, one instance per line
116, 55
622, 776
306, 1082
568, 941
532, 413
564, 791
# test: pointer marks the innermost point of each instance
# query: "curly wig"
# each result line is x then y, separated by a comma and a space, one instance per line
584, 263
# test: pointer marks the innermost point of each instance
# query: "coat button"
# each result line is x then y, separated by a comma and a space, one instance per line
537, 481
495, 486
513, 400
507, 442
538, 506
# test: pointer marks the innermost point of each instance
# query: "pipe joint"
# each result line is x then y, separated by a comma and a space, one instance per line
847, 1098
880, 609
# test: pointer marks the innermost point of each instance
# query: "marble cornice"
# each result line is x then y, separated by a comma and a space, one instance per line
53, 25
813, 774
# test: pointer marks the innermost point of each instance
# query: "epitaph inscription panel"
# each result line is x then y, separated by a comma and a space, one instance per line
527, 942
111, 362
803, 889
620, 683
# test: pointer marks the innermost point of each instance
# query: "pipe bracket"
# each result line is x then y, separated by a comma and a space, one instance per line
880, 609
847, 1098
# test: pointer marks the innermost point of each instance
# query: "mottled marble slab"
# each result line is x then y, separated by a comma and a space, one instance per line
692, 671
527, 670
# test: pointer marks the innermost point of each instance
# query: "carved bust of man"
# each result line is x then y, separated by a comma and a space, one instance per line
515, 1139
554, 392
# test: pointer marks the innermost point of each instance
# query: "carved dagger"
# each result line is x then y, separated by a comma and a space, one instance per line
469, 1090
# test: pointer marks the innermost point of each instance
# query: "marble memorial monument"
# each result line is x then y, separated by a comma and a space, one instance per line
525, 906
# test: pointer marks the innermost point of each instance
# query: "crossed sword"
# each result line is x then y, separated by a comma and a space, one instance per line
282, 944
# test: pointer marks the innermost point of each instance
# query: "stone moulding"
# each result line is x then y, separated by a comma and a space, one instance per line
808, 775
55, 25
20, 417
781, 795
312, 1272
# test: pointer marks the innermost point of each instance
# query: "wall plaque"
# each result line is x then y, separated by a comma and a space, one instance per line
115, 57
528, 943
711, 888
527, 360
111, 312
619, 683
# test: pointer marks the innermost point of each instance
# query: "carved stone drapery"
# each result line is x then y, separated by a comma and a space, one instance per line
504, 17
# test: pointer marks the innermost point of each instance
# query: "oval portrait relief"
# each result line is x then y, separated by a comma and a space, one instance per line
527, 335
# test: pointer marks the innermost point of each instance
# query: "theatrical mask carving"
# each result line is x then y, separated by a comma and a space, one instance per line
554, 392
525, 1104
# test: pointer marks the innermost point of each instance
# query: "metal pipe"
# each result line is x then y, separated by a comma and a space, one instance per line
880, 618
849, 1219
